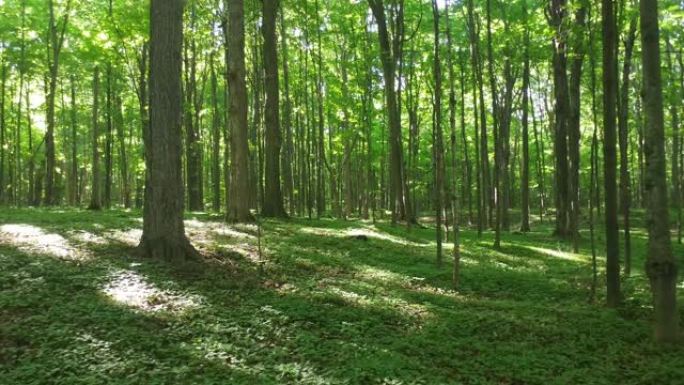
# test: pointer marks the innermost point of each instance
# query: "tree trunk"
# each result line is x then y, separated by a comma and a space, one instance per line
163, 229
623, 133
239, 196
661, 266
399, 204
55, 42
525, 171
273, 198
558, 12
610, 82
438, 146
95, 195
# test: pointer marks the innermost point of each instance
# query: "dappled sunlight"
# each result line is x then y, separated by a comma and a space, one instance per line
568, 256
360, 232
130, 237
129, 288
32, 239
87, 237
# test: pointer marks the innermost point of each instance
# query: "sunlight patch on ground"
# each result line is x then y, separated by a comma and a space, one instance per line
86, 237
365, 231
130, 237
32, 239
131, 289
558, 254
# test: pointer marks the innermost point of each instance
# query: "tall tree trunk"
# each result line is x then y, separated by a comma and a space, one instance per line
108, 141
3, 81
438, 146
95, 195
610, 82
623, 133
73, 174
574, 134
163, 229
661, 266
273, 198
193, 156
525, 171
399, 202
56, 32
123, 153
288, 154
215, 141
558, 14
238, 197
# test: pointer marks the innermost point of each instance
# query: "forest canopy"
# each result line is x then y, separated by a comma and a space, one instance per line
427, 149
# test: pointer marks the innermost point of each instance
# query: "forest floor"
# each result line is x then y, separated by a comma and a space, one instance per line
327, 302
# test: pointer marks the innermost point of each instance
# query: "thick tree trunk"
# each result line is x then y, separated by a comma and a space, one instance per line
610, 82
661, 266
163, 229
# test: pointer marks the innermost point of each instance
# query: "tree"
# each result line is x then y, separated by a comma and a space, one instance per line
438, 146
237, 200
273, 197
525, 171
163, 229
55, 41
661, 267
610, 82
95, 196
400, 205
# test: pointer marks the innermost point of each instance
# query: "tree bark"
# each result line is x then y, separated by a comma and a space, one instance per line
239, 196
95, 195
163, 229
273, 198
610, 82
661, 266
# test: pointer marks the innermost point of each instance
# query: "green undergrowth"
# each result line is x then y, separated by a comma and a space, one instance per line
326, 302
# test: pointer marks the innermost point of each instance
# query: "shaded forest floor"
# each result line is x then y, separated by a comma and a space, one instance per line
323, 305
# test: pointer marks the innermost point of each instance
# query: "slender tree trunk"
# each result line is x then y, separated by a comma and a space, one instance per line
215, 142
73, 174
558, 11
610, 82
438, 146
273, 198
623, 133
95, 195
661, 266
525, 171
108, 141
288, 154
574, 134
56, 32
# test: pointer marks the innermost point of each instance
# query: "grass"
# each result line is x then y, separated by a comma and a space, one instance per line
323, 306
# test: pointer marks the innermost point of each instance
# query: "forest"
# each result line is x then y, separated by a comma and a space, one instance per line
341, 191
